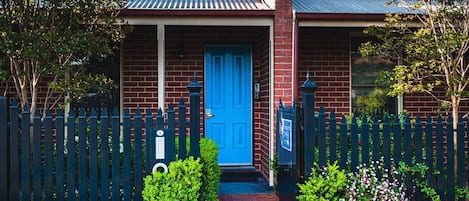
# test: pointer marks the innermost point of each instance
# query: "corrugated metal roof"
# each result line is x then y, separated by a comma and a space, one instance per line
198, 5
346, 6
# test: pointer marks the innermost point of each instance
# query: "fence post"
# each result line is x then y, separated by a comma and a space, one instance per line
308, 90
194, 89
3, 149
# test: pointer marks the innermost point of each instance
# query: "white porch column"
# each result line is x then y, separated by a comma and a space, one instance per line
161, 65
271, 103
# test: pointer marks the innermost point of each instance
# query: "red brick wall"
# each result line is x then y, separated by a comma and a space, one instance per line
283, 52
325, 53
261, 106
140, 73
423, 104
180, 71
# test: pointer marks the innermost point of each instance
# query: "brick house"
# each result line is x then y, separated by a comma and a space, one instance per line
247, 55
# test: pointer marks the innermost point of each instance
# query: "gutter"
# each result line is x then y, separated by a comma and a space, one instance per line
294, 62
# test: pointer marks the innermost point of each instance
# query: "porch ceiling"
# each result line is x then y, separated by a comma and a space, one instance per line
199, 5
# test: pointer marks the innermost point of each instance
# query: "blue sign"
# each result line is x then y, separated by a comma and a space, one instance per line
286, 134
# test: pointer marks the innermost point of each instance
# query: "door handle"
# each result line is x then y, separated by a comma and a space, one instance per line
208, 114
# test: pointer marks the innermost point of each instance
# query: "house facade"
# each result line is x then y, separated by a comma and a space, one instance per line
247, 55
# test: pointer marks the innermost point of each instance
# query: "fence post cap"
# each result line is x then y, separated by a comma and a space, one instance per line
194, 85
309, 85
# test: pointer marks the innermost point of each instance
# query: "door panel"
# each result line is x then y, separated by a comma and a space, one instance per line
228, 96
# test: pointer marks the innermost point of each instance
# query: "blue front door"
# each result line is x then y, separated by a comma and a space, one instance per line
228, 102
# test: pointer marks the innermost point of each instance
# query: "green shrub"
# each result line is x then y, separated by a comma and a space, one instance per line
210, 170
182, 182
323, 184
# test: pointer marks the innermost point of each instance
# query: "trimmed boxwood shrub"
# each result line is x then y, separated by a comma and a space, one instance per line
210, 170
182, 182
174, 185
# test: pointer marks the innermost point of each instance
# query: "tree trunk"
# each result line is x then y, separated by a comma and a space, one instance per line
454, 112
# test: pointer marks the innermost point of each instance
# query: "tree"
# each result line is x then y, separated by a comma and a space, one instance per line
49, 41
430, 47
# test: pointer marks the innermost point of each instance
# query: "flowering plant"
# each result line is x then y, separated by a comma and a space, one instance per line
375, 182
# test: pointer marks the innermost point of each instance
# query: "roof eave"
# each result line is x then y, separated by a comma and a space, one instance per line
155, 12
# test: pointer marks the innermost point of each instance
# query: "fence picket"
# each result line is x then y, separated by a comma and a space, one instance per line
365, 140
82, 153
115, 139
37, 165
148, 140
59, 147
354, 144
439, 157
170, 143
25, 157
182, 129
127, 181
418, 148
375, 139
343, 143
48, 156
460, 155
71, 156
408, 143
3, 149
93, 139
332, 137
397, 133
138, 155
429, 150
14, 146
467, 137
322, 137
418, 140
386, 142
104, 163
450, 158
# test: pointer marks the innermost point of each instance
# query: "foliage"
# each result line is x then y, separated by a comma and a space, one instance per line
182, 182
51, 41
418, 173
430, 55
372, 102
327, 183
375, 182
210, 170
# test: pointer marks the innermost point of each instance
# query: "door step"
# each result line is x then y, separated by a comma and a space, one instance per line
240, 174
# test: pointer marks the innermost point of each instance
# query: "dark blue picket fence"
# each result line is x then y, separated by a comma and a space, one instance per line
325, 140
90, 162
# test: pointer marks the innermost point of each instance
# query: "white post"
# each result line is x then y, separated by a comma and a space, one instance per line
161, 65
271, 103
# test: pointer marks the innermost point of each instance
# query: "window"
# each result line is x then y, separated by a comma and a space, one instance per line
367, 96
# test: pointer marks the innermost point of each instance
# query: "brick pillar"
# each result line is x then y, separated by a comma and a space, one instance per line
283, 22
